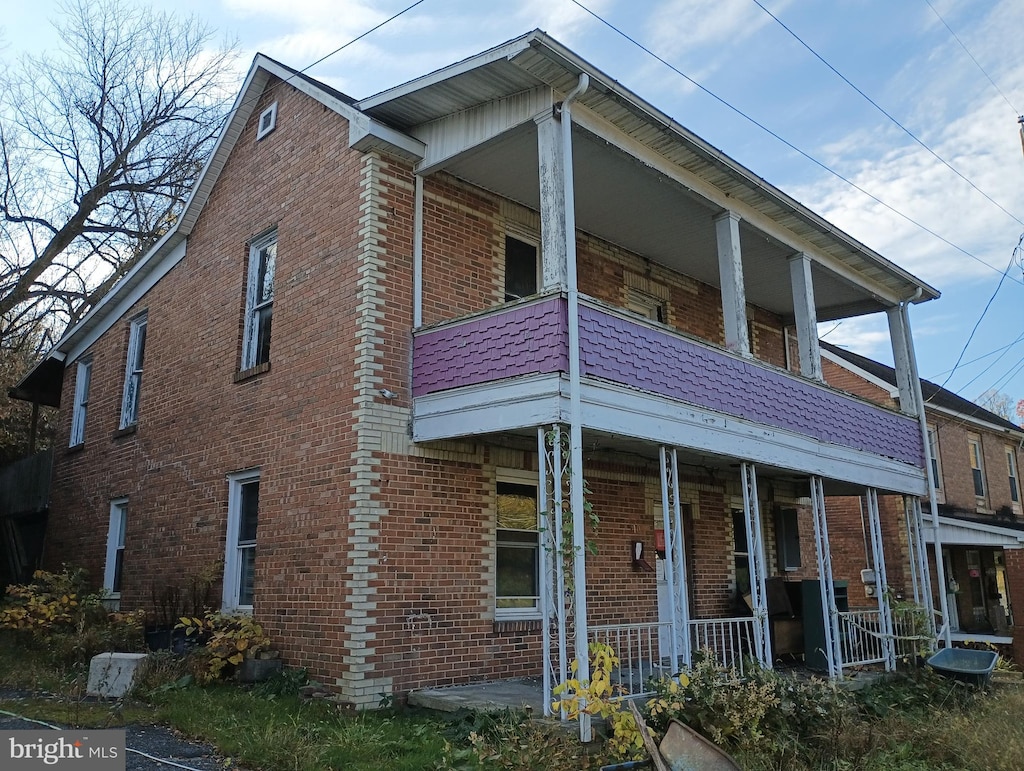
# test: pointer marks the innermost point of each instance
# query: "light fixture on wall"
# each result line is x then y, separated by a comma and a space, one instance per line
387, 394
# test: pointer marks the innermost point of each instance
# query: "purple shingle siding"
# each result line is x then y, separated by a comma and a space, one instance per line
630, 354
533, 339
524, 340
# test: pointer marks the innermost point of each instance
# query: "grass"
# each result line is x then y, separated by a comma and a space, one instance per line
913, 724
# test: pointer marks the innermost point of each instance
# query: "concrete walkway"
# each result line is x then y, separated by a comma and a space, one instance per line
522, 693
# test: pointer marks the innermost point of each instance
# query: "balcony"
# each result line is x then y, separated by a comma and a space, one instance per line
504, 370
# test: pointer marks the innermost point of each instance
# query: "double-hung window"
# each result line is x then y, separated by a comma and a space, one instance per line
115, 549
1011, 468
933, 451
240, 551
133, 371
977, 465
83, 374
259, 301
517, 572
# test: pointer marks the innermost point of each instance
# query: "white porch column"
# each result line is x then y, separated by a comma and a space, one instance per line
830, 614
576, 502
730, 271
551, 465
553, 241
940, 568
898, 335
758, 566
675, 559
806, 316
881, 580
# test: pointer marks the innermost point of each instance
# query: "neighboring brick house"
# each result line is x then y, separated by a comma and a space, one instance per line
975, 460
462, 333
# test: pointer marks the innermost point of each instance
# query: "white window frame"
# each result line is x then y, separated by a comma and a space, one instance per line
516, 477
933, 450
976, 455
83, 376
133, 370
116, 527
529, 240
646, 305
253, 305
233, 548
267, 122
1013, 477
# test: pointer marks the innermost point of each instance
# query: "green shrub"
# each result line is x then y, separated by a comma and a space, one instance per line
57, 613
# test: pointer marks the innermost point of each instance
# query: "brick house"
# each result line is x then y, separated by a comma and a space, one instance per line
393, 354
975, 457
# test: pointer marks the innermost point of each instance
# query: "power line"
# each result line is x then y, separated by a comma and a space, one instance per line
977, 64
1013, 259
1000, 350
882, 110
790, 145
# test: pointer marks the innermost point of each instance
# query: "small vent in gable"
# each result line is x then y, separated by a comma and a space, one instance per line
268, 121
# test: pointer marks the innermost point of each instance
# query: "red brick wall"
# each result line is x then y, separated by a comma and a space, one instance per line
196, 424
1015, 588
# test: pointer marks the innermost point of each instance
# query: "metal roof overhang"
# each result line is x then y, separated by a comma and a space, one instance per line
646, 183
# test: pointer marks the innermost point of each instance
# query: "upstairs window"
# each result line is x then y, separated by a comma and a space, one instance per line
977, 465
133, 371
520, 269
268, 122
83, 374
1011, 468
933, 451
645, 304
518, 551
240, 551
259, 301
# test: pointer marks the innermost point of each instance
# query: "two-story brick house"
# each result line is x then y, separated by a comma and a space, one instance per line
397, 351
975, 457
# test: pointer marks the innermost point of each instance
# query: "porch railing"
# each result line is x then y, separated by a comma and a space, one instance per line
729, 640
639, 652
861, 638
640, 648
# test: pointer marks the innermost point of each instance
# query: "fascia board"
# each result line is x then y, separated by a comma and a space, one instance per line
890, 388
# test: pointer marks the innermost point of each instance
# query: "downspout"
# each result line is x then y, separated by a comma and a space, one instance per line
575, 408
940, 569
417, 255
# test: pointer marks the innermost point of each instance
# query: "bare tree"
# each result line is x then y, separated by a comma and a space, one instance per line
998, 402
99, 145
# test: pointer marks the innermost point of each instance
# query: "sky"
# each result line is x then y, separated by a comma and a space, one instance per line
948, 72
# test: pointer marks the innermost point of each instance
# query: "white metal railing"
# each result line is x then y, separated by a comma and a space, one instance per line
861, 637
729, 640
639, 654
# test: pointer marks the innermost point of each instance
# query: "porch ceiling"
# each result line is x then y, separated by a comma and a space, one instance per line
627, 203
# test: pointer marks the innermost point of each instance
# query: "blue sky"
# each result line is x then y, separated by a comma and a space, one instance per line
899, 53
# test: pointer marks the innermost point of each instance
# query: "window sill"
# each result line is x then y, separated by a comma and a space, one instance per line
518, 625
252, 372
75, 448
126, 431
